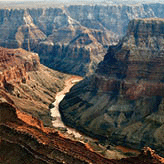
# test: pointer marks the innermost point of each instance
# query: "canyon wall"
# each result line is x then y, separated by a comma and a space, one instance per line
27, 84
73, 38
24, 139
26, 89
122, 102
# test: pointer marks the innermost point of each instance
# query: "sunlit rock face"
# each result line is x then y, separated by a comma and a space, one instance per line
26, 89
27, 84
74, 38
25, 139
123, 101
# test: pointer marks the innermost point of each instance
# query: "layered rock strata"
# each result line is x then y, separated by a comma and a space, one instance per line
24, 139
73, 38
123, 102
27, 84
26, 89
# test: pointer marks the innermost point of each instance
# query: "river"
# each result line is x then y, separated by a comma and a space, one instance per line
57, 121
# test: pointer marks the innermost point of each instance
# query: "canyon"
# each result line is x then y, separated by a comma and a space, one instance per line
122, 102
114, 115
26, 90
70, 38
27, 84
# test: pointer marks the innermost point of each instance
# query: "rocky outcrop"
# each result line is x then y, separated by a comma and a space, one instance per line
73, 38
24, 139
122, 102
27, 140
147, 156
14, 66
27, 84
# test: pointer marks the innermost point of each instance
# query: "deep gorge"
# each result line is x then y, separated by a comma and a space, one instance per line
118, 50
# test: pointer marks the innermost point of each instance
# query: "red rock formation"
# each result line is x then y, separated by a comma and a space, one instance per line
26, 83
147, 156
26, 136
14, 65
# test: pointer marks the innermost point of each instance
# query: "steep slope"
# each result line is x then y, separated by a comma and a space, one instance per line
27, 84
66, 35
24, 139
122, 102
26, 89
72, 48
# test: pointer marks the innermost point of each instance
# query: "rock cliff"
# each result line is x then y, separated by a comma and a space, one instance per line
73, 38
27, 84
123, 101
26, 89
24, 139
